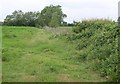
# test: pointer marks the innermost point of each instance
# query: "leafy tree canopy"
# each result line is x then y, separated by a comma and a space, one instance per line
51, 16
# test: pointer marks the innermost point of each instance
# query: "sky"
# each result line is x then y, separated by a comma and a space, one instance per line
76, 10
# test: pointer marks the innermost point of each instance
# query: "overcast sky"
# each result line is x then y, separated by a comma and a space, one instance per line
75, 9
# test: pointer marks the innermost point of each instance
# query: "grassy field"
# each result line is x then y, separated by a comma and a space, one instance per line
37, 55
0, 53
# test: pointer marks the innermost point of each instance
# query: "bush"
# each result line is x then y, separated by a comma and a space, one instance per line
98, 42
38, 26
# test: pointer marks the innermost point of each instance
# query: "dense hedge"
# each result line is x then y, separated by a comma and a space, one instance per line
98, 43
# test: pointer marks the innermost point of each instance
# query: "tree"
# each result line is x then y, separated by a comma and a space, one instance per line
18, 18
50, 14
30, 18
9, 20
54, 20
119, 20
1, 23
15, 19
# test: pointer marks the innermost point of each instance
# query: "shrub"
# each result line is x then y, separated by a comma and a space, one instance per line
98, 42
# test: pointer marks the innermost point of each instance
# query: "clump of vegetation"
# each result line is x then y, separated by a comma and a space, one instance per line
50, 16
98, 43
19, 18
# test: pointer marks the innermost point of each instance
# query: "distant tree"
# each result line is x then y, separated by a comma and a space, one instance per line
1, 23
70, 24
118, 19
30, 18
50, 14
54, 20
15, 19
18, 18
64, 23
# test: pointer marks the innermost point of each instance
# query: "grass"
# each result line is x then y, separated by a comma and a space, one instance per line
0, 53
38, 55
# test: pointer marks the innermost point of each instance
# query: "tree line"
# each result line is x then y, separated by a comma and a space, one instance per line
50, 16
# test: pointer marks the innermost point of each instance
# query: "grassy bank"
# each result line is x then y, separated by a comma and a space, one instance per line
38, 55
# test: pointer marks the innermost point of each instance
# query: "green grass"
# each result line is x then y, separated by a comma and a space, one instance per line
38, 55
0, 53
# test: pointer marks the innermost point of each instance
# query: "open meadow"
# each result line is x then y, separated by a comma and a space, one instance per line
40, 55
54, 41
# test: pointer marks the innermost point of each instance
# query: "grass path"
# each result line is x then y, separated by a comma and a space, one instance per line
45, 58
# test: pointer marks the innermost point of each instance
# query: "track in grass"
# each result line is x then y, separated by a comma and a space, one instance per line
38, 55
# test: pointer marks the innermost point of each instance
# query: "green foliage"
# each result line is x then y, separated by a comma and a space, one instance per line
51, 16
54, 21
1, 23
98, 41
18, 18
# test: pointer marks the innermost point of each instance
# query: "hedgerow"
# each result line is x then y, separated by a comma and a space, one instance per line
98, 42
